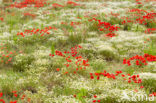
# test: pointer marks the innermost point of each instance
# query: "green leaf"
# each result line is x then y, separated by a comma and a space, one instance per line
98, 71
53, 49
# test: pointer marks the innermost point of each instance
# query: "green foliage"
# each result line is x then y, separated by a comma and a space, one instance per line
137, 27
7, 88
151, 24
109, 55
88, 53
22, 62
8, 82
81, 94
151, 49
99, 66
31, 40
53, 48
149, 85
29, 86
109, 100
127, 27
75, 38
130, 70
43, 81
67, 27
115, 20
93, 26
65, 91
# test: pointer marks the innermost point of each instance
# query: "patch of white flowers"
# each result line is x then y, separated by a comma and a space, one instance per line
148, 75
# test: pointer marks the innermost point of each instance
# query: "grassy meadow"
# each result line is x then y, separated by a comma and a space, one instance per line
78, 51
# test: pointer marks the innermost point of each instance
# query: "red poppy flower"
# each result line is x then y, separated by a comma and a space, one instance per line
94, 101
1, 100
92, 77
141, 86
72, 3
15, 95
74, 96
1, 94
13, 101
58, 69
57, 5
98, 77
95, 96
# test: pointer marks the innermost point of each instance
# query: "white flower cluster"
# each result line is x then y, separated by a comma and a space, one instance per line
148, 75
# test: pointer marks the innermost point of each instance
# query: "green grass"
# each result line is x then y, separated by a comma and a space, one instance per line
22, 62
151, 49
98, 65
149, 85
43, 83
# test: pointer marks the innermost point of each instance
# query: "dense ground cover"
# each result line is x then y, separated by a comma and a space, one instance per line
78, 51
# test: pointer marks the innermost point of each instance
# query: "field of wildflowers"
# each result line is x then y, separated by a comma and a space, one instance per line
78, 51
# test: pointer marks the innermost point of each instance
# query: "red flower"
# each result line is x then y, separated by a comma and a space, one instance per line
98, 78
124, 22
95, 96
79, 46
153, 94
91, 73
23, 97
66, 73
58, 69
94, 101
57, 5
13, 101
141, 86
28, 99
1, 100
92, 77
123, 75
72, 3
137, 62
14, 91
1, 19
15, 95
124, 61
74, 96
1, 94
